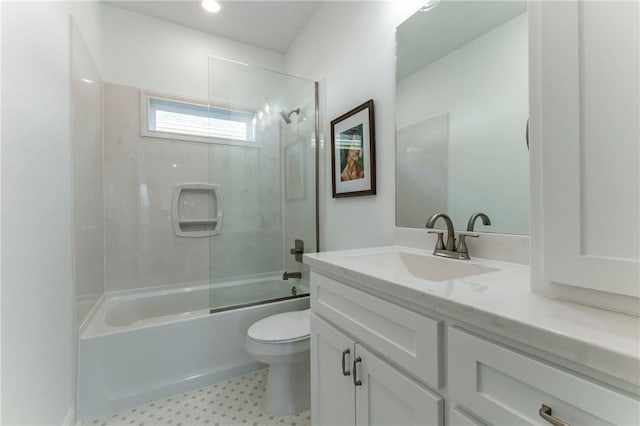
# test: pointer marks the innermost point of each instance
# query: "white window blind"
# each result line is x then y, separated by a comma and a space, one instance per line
192, 121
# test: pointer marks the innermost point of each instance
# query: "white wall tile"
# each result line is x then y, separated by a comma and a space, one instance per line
142, 249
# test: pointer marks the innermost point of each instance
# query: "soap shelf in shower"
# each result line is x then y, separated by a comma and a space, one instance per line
196, 210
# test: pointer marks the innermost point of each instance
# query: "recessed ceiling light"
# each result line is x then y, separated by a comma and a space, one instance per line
211, 6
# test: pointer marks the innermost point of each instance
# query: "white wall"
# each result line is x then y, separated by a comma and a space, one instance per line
149, 53
38, 328
349, 47
483, 86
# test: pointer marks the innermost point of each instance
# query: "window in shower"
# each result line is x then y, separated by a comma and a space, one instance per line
181, 119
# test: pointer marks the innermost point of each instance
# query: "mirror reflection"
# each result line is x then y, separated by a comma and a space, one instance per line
461, 114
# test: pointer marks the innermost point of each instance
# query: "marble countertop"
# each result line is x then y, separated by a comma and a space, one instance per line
500, 302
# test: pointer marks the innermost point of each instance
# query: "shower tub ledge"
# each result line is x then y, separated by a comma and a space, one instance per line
139, 347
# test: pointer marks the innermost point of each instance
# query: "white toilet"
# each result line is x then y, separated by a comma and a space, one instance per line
282, 342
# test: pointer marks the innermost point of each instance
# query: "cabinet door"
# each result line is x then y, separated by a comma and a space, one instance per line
332, 392
585, 104
385, 396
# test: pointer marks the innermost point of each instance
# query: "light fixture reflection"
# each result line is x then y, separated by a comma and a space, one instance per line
211, 6
431, 4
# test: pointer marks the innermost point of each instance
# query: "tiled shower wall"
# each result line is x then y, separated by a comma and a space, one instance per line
141, 249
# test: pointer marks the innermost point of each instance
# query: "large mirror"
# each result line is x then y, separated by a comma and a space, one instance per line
461, 115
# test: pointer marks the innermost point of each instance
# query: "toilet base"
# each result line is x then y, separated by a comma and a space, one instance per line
288, 389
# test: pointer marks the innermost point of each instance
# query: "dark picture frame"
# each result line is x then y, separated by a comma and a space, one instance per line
353, 155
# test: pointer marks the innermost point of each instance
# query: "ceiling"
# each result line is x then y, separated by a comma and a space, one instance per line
271, 25
428, 36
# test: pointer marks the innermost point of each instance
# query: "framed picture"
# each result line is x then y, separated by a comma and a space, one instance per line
294, 171
353, 159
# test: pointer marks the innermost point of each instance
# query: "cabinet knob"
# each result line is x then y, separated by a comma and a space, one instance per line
545, 413
356, 382
345, 372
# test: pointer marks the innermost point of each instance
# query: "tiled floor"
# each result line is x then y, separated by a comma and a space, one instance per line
237, 401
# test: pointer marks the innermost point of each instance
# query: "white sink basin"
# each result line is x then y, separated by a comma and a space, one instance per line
421, 266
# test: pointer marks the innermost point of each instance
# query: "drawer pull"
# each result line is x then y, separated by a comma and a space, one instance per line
345, 372
356, 382
545, 413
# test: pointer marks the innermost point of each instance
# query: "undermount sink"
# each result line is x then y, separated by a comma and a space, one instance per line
422, 266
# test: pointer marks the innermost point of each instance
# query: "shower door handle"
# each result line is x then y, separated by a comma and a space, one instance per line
345, 372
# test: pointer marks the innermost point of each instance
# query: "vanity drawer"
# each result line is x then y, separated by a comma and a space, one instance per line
409, 340
506, 387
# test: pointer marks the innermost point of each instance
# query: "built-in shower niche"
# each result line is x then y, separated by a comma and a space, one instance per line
196, 210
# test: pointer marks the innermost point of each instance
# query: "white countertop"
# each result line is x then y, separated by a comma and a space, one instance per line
501, 302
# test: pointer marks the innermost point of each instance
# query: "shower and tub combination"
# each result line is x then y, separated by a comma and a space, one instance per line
204, 201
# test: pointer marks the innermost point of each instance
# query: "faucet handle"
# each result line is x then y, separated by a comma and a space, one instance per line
462, 234
462, 243
440, 242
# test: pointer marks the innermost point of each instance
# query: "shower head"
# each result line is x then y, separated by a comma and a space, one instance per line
286, 116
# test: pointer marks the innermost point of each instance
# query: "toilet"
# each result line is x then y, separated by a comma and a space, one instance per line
282, 342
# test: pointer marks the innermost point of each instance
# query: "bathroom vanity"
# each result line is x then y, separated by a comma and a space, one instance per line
399, 336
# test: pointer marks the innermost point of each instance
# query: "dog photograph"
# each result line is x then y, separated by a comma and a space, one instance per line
352, 154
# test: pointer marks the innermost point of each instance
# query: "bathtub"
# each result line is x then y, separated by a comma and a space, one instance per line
137, 347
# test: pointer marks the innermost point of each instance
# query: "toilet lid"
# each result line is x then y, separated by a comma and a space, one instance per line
285, 327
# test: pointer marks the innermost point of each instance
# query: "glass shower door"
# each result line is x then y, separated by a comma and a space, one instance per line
262, 162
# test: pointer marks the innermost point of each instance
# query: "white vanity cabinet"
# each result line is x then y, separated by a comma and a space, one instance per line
353, 380
352, 385
378, 362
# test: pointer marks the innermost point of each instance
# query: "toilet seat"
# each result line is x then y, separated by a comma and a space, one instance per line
287, 327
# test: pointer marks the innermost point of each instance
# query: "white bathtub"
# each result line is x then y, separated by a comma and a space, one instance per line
139, 347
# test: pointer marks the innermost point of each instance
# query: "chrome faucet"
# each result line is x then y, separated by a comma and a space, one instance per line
450, 250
